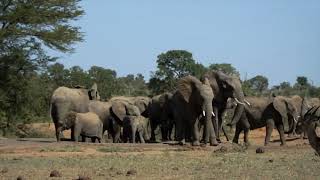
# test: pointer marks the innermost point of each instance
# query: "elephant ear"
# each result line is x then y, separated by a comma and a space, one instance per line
186, 86
132, 110
142, 103
93, 92
280, 105
118, 108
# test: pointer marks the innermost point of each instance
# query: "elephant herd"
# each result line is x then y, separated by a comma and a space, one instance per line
192, 113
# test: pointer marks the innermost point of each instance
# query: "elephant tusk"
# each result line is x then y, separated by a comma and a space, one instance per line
247, 102
203, 113
239, 101
295, 120
213, 114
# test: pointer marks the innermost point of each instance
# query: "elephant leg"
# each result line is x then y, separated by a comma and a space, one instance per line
280, 129
195, 134
117, 131
58, 132
180, 132
141, 136
269, 129
133, 134
225, 133
83, 138
237, 134
153, 129
170, 128
72, 134
99, 140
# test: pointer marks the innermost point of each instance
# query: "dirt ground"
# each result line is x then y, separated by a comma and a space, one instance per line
35, 158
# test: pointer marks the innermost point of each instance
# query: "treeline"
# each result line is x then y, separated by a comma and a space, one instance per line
29, 75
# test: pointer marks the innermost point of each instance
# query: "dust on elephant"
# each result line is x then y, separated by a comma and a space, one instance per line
310, 124
66, 99
307, 104
84, 124
102, 109
224, 87
135, 126
161, 114
267, 112
120, 108
192, 99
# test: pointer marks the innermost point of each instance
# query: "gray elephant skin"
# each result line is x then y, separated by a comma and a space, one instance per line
135, 126
192, 99
269, 112
161, 115
66, 99
86, 125
224, 87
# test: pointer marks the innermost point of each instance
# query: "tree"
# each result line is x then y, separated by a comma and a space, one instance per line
259, 83
173, 65
225, 68
106, 80
27, 29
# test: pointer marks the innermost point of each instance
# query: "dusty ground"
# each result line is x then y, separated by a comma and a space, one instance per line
36, 158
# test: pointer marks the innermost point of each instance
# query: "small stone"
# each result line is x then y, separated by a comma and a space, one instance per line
4, 170
175, 169
131, 172
21, 178
83, 178
55, 173
271, 160
260, 150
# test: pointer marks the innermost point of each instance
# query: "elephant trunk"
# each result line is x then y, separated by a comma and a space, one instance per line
209, 129
239, 98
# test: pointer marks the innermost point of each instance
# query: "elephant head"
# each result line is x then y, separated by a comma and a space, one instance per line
198, 97
288, 111
120, 109
93, 92
225, 87
142, 103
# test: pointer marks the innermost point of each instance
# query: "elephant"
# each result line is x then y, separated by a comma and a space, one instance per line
66, 99
85, 124
133, 126
224, 87
267, 112
192, 99
310, 123
161, 114
123, 106
307, 104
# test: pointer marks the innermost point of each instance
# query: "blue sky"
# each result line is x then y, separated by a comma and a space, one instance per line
277, 39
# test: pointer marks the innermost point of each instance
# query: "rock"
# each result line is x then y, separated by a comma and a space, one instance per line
83, 178
271, 160
131, 172
4, 170
260, 150
21, 178
55, 173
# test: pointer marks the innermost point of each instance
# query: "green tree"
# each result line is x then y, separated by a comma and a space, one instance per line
173, 65
27, 29
225, 68
79, 77
106, 80
258, 83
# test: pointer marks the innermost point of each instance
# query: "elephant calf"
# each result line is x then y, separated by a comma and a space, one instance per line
135, 126
85, 125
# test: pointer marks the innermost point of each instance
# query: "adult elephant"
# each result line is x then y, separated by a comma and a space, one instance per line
161, 114
66, 99
308, 103
224, 87
192, 99
267, 112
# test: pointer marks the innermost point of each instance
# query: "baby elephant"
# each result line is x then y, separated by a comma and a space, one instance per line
85, 124
135, 126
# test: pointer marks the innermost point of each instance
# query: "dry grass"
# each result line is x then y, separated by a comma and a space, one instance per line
108, 161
